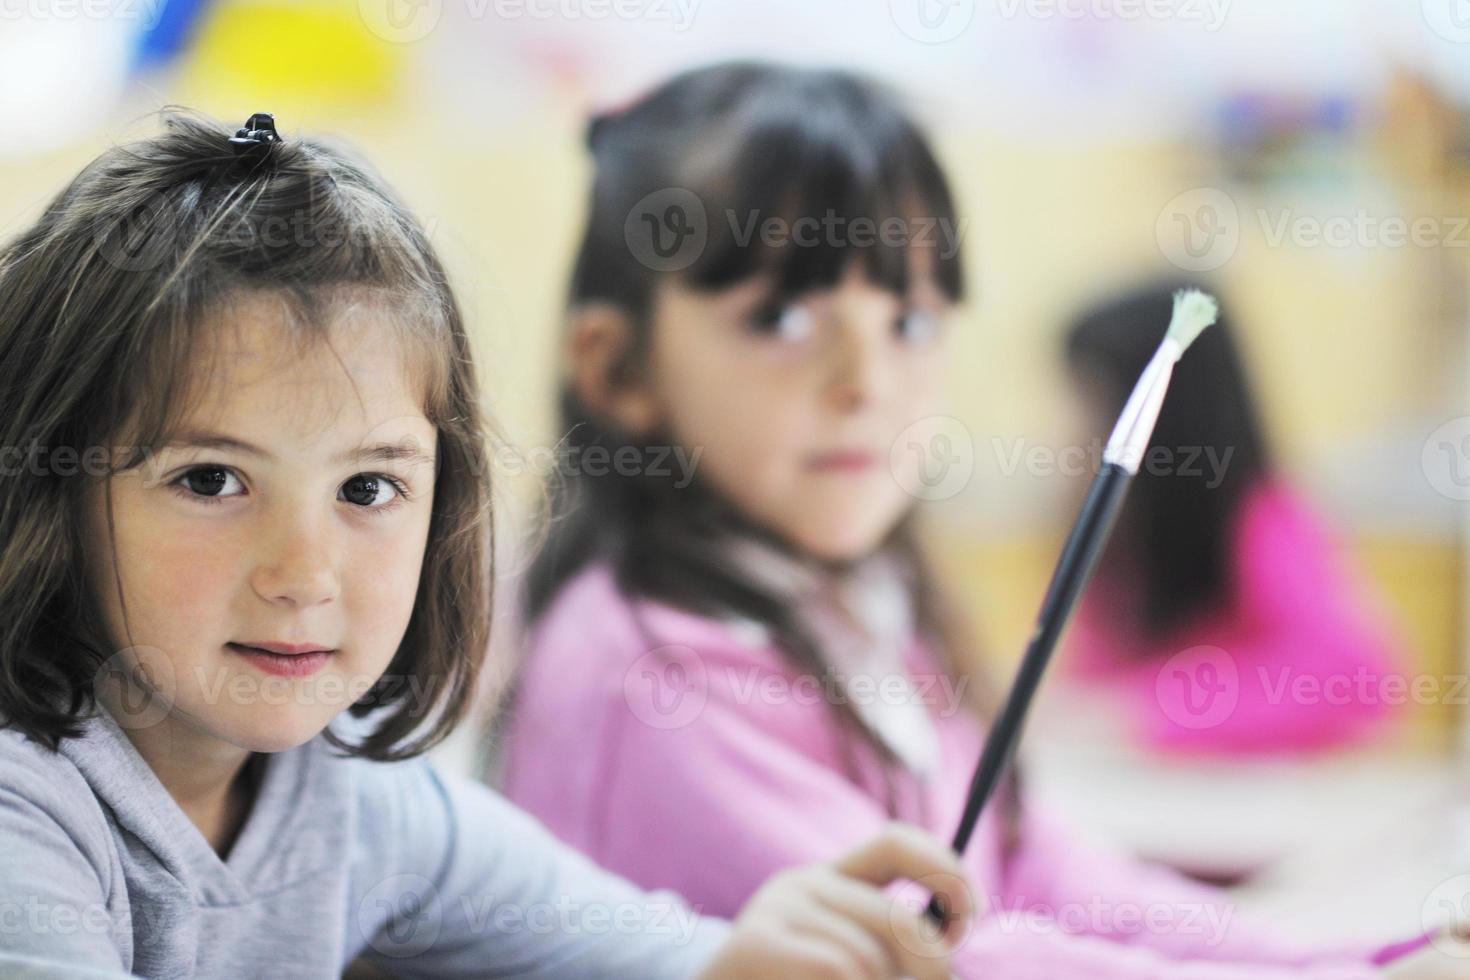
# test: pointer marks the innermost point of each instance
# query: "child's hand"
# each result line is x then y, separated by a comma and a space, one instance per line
834, 920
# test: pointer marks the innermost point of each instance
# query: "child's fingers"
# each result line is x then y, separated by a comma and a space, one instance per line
870, 958
905, 851
914, 948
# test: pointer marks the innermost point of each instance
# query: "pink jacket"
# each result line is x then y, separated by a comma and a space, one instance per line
1295, 658
678, 753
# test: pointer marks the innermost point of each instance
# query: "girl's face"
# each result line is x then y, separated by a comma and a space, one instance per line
797, 407
294, 509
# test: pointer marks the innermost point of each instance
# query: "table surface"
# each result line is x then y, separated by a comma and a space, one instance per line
1348, 845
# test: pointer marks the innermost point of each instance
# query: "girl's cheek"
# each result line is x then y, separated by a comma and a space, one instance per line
181, 567
382, 576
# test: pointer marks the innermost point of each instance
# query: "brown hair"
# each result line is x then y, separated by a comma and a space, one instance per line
104, 309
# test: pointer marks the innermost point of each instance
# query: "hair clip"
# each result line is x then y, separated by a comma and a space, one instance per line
254, 138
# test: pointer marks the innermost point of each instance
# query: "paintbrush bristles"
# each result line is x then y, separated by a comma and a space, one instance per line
1193, 311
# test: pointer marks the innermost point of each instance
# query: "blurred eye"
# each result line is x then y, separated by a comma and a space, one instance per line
791, 323
374, 491
207, 482
916, 326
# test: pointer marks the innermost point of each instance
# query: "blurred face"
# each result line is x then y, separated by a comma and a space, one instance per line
287, 513
796, 406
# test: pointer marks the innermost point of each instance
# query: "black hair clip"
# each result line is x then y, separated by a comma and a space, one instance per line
254, 138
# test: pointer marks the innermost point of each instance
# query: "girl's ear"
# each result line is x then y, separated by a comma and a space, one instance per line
599, 349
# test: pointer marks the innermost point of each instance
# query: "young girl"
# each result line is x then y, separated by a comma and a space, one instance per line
245, 487
750, 669
1215, 549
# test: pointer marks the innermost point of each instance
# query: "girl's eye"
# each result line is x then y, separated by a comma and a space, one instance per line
792, 323
916, 326
208, 482
367, 490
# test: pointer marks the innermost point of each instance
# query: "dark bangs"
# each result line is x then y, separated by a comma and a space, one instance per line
797, 172
811, 185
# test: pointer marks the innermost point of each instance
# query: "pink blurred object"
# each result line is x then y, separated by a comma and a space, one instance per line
1299, 658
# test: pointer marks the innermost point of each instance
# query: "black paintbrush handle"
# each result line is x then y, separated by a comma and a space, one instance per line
1074, 568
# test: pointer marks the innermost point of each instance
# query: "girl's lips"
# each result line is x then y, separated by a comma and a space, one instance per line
282, 664
846, 462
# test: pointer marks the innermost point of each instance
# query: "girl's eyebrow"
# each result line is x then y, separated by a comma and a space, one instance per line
407, 450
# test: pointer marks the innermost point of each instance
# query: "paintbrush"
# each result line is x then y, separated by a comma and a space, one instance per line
1193, 312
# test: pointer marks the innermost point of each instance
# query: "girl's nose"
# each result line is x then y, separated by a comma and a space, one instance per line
297, 569
860, 372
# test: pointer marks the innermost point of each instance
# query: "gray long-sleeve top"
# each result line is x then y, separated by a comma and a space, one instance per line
426, 875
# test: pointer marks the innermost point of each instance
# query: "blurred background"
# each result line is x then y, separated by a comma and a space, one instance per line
1309, 160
